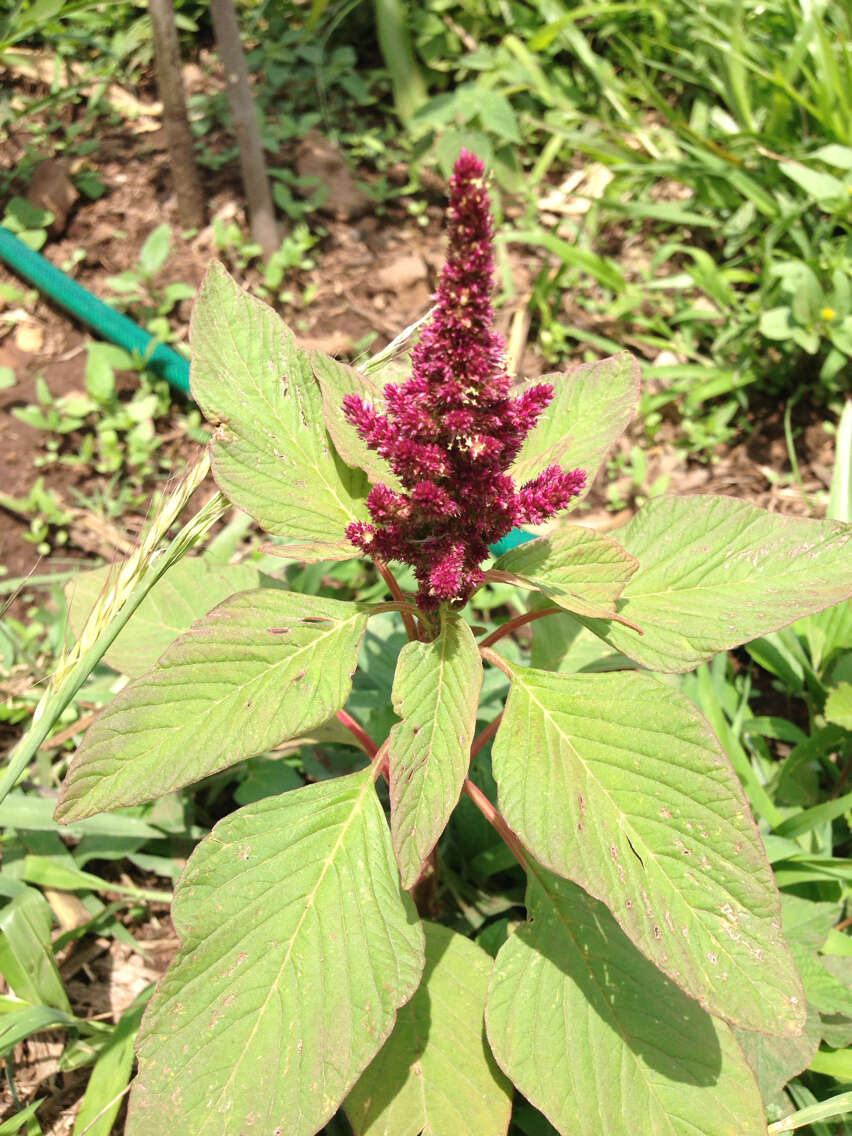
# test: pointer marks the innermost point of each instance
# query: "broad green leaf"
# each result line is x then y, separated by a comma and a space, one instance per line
837, 1065
497, 115
299, 946
826, 631
836, 1030
562, 643
271, 454
313, 551
155, 250
834, 155
598, 1039
591, 408
715, 572
186, 592
436, 693
435, 1075
809, 923
825, 992
616, 782
838, 705
336, 380
776, 1060
26, 954
821, 186
263, 667
575, 567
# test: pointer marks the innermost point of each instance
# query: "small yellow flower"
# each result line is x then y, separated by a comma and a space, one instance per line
827, 314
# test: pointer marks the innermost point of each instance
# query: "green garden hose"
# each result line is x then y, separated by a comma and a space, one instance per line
107, 322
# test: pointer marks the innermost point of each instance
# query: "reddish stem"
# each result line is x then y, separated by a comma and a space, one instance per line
481, 739
519, 621
380, 762
496, 821
359, 732
397, 593
496, 660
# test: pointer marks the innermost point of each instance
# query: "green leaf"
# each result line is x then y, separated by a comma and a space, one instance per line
602, 1042
111, 1072
496, 114
600, 268
451, 142
617, 782
26, 953
19, 1024
263, 667
715, 572
187, 591
436, 1074
102, 360
155, 251
777, 323
436, 693
809, 923
824, 990
821, 186
575, 567
591, 408
25, 811
835, 1106
14, 1124
271, 454
776, 1060
837, 1065
838, 705
299, 946
562, 643
834, 155
336, 380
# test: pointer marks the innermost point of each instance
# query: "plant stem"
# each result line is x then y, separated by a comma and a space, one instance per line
396, 592
481, 739
380, 762
359, 732
167, 63
496, 821
495, 660
246, 127
518, 621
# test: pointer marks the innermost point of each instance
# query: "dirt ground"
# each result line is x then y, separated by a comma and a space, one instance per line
375, 272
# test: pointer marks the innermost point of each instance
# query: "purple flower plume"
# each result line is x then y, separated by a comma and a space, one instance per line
452, 430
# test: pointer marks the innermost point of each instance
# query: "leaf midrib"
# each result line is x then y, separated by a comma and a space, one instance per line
357, 808
626, 827
604, 1000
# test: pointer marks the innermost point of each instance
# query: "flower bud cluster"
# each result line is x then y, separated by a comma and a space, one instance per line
452, 430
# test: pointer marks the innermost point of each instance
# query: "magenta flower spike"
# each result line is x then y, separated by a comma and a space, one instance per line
452, 430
